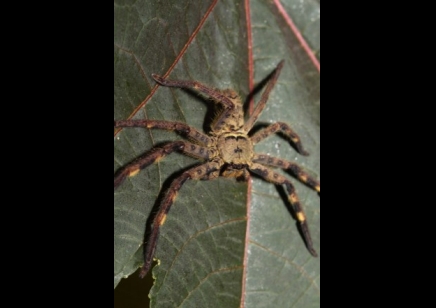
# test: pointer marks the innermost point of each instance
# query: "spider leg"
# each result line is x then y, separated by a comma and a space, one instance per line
181, 128
287, 165
283, 128
278, 179
195, 173
157, 154
264, 98
218, 96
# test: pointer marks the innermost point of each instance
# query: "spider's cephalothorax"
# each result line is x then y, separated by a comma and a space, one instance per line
226, 151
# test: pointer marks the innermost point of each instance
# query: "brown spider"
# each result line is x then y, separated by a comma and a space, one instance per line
226, 151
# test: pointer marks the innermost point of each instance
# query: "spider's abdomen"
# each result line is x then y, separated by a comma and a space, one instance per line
235, 149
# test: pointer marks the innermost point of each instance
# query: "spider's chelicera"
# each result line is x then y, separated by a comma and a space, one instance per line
226, 151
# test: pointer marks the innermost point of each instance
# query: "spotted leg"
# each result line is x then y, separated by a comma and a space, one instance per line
278, 179
302, 175
196, 173
284, 129
156, 155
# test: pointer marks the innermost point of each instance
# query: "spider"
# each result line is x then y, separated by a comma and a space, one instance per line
226, 151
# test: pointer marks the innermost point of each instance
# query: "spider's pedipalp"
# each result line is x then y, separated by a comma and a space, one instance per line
283, 128
302, 175
264, 98
195, 173
278, 179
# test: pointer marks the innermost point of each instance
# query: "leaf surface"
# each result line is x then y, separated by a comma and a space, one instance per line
203, 244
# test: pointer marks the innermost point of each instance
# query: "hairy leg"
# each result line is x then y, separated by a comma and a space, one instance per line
284, 129
181, 128
196, 173
216, 95
225, 97
278, 179
157, 154
302, 175
264, 98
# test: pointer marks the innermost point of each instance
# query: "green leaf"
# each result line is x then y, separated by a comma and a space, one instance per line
203, 251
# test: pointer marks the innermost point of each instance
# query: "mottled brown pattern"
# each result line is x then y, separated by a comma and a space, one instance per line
226, 151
